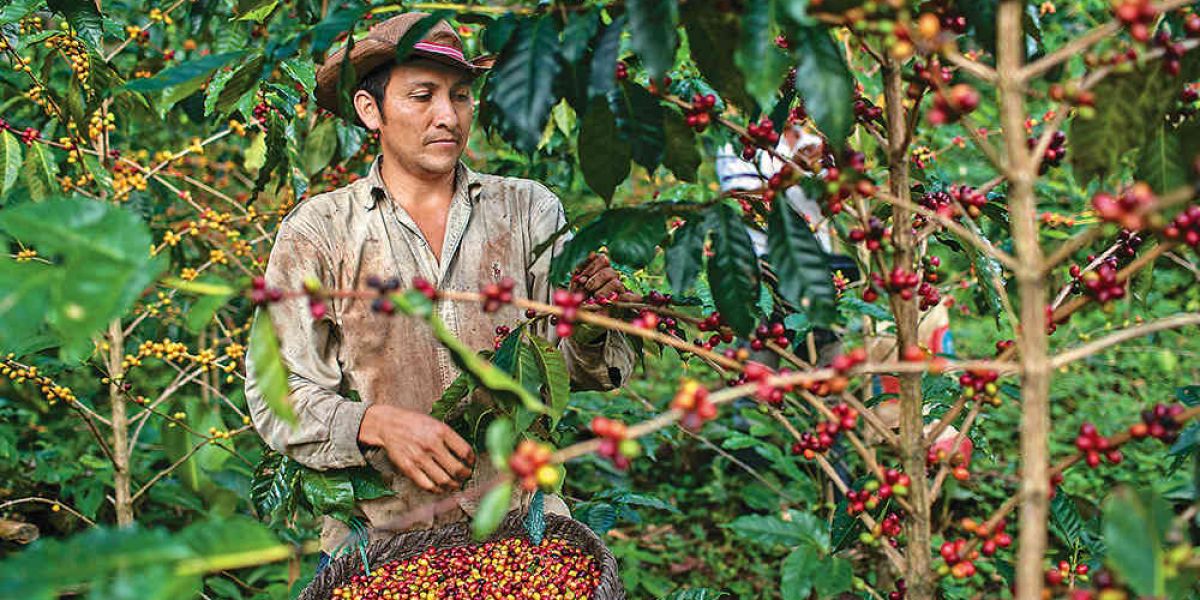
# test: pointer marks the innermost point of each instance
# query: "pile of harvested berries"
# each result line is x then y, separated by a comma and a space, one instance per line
511, 568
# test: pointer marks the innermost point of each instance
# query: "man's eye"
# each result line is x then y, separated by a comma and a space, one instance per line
422, 97
462, 97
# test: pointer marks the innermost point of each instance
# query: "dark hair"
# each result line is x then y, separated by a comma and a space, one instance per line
375, 83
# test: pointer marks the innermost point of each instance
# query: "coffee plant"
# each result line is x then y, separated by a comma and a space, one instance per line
1021, 174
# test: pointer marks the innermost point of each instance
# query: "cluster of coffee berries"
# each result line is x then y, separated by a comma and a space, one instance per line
1127, 209
614, 445
758, 373
657, 298
944, 452
622, 71
898, 281
502, 332
1128, 242
865, 111
569, 302
889, 529
1186, 107
497, 294
761, 133
692, 400
823, 436
771, 332
786, 176
993, 538
1056, 576
1160, 422
1138, 16
860, 501
1185, 226
901, 589
872, 235
980, 384
846, 183
842, 363
959, 559
699, 115
425, 287
1102, 283
511, 568
317, 305
713, 323
1093, 445
931, 74
951, 105
1055, 152
383, 304
530, 464
1172, 52
1072, 94
262, 295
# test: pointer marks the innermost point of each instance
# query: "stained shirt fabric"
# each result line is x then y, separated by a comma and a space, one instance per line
344, 236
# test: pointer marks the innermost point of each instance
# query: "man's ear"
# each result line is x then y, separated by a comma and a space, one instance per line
369, 111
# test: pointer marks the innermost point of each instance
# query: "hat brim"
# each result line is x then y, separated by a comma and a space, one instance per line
370, 54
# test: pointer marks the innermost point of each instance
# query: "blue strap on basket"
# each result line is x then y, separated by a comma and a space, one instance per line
535, 521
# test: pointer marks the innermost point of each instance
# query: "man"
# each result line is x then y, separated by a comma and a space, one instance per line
419, 212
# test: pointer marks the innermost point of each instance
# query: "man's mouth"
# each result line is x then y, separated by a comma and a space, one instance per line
444, 141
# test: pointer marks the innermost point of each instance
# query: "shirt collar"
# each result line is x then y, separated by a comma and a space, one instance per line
464, 179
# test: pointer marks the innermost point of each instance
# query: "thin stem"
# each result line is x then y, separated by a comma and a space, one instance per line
1124, 335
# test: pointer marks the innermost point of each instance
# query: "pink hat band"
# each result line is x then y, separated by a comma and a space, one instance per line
449, 51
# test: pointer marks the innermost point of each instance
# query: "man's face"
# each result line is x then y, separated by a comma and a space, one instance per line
426, 116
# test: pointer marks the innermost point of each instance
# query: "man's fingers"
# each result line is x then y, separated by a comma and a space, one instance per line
593, 264
451, 465
417, 476
443, 480
628, 296
458, 446
602, 279
614, 286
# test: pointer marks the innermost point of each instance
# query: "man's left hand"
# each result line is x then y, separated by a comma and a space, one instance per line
596, 277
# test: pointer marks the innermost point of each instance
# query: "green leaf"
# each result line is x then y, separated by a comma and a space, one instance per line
652, 26
17, 10
200, 314
328, 492
492, 508
1166, 161
801, 264
320, 146
24, 288
368, 484
824, 82
640, 119
301, 71
268, 368
255, 156
276, 153
10, 162
1129, 112
39, 173
244, 79
631, 233
762, 63
695, 594
192, 70
336, 22
462, 387
1134, 527
213, 91
720, 32
685, 255
604, 154
834, 577
733, 270
501, 439
261, 10
274, 489
600, 518
801, 528
83, 17
681, 156
522, 82
981, 16
554, 373
1065, 520
581, 28
602, 79
796, 573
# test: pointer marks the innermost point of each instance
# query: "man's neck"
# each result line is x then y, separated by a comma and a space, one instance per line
419, 191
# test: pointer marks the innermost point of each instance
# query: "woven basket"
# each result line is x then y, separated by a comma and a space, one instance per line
410, 544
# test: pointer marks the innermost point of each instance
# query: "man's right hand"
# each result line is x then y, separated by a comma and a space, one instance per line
424, 449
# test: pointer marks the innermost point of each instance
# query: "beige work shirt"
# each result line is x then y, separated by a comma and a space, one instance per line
344, 236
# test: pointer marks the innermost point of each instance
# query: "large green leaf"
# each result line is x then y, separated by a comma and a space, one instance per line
10, 162
38, 173
640, 119
554, 373
685, 255
328, 492
801, 264
602, 71
733, 270
1134, 527
237, 84
631, 233
681, 156
102, 262
1166, 161
189, 71
800, 528
652, 33
24, 288
580, 29
719, 31
17, 10
268, 369
824, 82
796, 582
462, 387
320, 146
491, 511
762, 63
604, 154
1129, 112
522, 82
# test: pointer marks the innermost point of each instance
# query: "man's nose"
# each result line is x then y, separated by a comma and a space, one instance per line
444, 114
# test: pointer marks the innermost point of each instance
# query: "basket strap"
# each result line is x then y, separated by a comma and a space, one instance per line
535, 521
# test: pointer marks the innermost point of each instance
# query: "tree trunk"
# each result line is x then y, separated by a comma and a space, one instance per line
120, 425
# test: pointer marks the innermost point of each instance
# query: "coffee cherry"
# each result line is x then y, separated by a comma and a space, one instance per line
497, 294
1129, 208
962, 99
425, 287
527, 462
1185, 227
692, 400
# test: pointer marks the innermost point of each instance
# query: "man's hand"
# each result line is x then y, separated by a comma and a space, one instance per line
423, 448
597, 278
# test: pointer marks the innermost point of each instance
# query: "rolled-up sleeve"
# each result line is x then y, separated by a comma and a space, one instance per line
326, 435
595, 360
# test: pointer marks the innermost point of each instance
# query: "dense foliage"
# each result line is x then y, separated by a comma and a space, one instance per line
1023, 173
